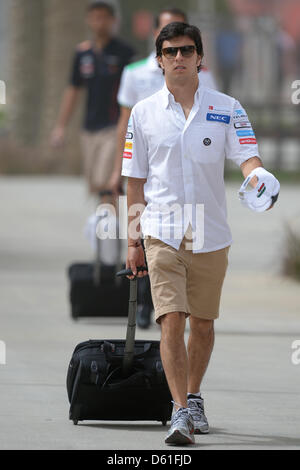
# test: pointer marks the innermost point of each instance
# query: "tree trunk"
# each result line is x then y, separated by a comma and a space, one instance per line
24, 87
64, 28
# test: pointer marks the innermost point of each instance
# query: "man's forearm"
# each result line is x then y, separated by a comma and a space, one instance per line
69, 101
136, 205
249, 165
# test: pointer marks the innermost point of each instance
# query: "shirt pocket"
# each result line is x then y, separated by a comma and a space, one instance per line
206, 144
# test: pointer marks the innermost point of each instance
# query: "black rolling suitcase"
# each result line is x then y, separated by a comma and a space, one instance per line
117, 379
95, 291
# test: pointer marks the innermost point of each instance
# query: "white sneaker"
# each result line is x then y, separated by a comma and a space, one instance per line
196, 406
181, 431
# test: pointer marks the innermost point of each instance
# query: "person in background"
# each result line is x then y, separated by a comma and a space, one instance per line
97, 67
229, 44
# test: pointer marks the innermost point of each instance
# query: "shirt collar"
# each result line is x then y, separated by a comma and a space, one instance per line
167, 97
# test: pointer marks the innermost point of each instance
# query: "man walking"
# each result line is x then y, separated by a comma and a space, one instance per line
140, 80
178, 140
97, 67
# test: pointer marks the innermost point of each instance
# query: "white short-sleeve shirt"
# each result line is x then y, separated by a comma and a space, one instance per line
143, 78
183, 163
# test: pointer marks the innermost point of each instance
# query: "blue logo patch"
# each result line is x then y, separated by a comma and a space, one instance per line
218, 117
245, 133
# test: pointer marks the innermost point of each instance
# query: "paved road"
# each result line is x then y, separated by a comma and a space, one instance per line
251, 389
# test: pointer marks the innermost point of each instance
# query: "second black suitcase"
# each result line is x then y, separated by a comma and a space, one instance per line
90, 298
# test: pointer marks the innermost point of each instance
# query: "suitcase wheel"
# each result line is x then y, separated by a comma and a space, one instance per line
75, 421
164, 422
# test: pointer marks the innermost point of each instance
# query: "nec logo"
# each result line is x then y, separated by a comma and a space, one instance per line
218, 117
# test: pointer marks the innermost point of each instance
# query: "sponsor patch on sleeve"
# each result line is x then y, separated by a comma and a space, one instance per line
239, 114
248, 141
242, 124
245, 133
127, 154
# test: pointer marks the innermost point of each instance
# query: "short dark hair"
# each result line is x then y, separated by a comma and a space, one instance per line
176, 29
97, 5
173, 11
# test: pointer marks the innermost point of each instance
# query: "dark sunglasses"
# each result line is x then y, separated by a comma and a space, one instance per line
185, 51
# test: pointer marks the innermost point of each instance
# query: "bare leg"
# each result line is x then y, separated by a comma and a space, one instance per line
174, 355
200, 346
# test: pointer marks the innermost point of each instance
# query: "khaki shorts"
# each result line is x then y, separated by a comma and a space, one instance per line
183, 281
99, 150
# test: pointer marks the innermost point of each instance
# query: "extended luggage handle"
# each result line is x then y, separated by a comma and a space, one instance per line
130, 335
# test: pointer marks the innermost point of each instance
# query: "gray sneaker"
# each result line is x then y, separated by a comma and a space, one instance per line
196, 406
182, 428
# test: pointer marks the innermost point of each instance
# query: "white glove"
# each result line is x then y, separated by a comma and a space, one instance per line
265, 192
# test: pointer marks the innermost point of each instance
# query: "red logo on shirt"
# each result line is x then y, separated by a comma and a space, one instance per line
127, 155
248, 141
210, 107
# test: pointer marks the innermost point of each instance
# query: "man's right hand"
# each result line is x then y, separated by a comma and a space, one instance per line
57, 138
135, 258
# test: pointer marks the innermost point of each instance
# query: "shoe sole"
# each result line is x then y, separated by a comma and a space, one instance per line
177, 438
203, 431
